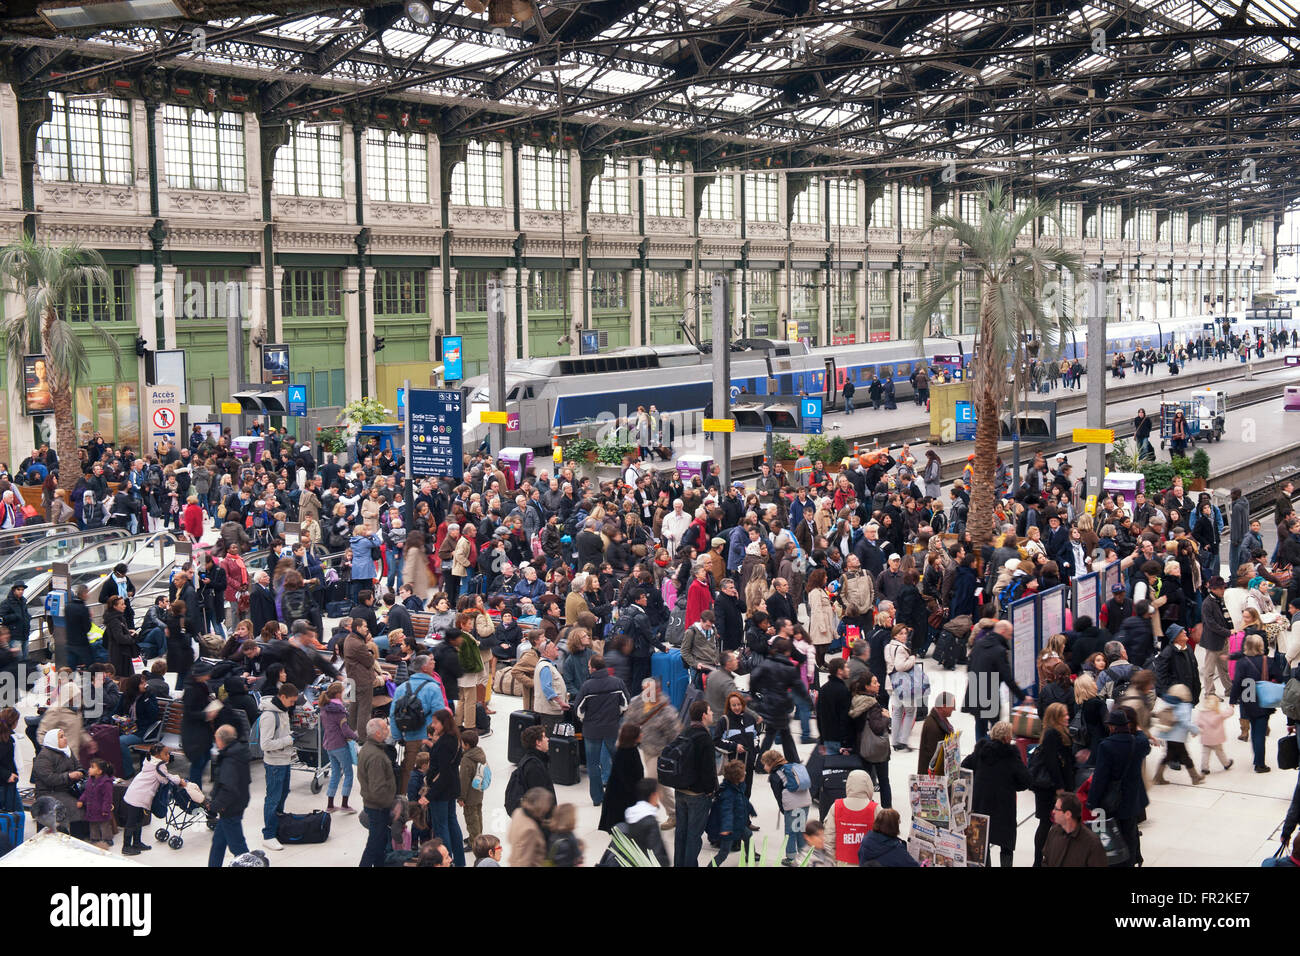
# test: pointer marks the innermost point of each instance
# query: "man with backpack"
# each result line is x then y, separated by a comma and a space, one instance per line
1112, 683
688, 766
417, 701
532, 769
635, 623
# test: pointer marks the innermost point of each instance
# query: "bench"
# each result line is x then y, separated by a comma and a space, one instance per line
166, 731
420, 625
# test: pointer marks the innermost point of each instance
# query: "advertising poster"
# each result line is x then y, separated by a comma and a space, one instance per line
1086, 602
929, 798
1052, 613
1024, 621
37, 397
453, 364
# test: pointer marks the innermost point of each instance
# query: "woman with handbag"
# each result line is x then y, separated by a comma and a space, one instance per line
822, 622
900, 662
119, 639
871, 731
442, 783
136, 715
1051, 771
1252, 668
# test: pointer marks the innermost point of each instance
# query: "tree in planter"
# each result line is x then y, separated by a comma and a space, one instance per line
1013, 322
45, 276
782, 450
1201, 464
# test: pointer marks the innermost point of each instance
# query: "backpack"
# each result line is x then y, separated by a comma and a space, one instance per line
294, 604
1008, 595
408, 712
797, 791
1078, 728
1291, 700
482, 778
676, 766
514, 792
1115, 690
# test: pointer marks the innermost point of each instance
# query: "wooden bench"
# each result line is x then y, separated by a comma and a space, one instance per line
166, 731
420, 625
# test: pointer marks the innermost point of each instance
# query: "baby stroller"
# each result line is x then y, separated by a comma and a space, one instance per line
179, 811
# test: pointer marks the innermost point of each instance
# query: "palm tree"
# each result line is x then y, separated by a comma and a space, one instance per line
1013, 322
45, 276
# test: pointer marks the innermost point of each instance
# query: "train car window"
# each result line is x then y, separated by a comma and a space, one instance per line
868, 374
887, 371
904, 370
527, 392
514, 393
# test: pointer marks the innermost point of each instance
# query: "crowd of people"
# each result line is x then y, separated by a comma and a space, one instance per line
811, 597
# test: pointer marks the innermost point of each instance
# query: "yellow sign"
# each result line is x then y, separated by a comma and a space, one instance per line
1091, 506
719, 424
230, 408
493, 418
1094, 436
557, 454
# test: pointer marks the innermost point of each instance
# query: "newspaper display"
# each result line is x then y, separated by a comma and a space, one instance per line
959, 805
977, 839
928, 797
950, 849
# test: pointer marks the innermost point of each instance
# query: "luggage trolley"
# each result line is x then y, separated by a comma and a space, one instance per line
1191, 414
308, 742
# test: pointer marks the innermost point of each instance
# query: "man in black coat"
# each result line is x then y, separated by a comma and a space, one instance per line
196, 721
77, 630
261, 602
1119, 758
15, 616
1176, 664
988, 669
773, 684
185, 591
779, 605
834, 725
119, 583
230, 796
729, 615
1085, 640
533, 769
1216, 627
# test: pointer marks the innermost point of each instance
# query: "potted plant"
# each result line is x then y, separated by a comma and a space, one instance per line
613, 452
581, 448
837, 449
1200, 469
332, 438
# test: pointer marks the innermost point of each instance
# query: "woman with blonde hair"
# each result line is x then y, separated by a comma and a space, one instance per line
1050, 771
60, 512
1090, 720
1033, 543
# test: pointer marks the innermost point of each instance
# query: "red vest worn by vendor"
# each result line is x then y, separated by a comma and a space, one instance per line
851, 828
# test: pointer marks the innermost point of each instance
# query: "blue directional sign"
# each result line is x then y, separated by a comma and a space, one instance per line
590, 343
435, 426
401, 404
297, 400
811, 416
965, 421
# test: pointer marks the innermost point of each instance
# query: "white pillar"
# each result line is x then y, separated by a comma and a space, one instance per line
352, 340
170, 304
450, 318
516, 281
433, 295
371, 374
634, 301
577, 296
860, 320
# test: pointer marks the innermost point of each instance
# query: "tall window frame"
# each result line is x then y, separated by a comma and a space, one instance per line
87, 141
664, 188
202, 150
310, 164
480, 179
397, 166
544, 179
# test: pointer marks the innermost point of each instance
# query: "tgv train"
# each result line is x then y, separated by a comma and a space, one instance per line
546, 396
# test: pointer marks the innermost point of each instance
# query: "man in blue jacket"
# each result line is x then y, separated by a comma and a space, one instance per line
429, 691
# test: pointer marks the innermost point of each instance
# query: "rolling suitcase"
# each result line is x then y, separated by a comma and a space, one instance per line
519, 721
11, 826
337, 608
671, 672
564, 759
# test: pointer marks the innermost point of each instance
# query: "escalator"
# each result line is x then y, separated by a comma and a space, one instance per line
34, 560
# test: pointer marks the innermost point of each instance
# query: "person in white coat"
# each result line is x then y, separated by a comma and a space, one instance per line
673, 527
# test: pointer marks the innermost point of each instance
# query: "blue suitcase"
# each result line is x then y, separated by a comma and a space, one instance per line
11, 827
671, 672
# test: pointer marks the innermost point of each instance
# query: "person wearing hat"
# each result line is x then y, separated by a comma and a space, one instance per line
15, 616
1216, 627
197, 716
1119, 760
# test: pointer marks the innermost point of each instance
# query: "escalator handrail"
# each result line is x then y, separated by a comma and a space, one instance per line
109, 533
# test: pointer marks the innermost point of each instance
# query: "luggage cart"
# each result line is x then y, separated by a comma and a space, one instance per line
1191, 414
308, 742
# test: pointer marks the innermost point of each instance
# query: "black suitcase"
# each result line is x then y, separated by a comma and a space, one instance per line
338, 608
564, 760
519, 721
298, 828
945, 650
482, 720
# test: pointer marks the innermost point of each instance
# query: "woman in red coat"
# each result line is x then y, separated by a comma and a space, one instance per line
192, 519
699, 597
